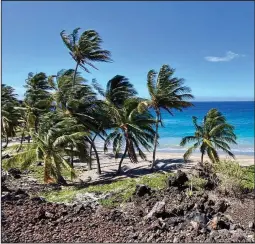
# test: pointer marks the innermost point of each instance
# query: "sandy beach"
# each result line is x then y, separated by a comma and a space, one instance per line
165, 162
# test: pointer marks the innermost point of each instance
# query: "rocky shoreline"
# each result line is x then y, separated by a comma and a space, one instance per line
169, 215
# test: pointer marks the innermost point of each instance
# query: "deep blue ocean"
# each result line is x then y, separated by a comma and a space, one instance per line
238, 114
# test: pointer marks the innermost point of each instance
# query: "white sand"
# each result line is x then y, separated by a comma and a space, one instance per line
165, 162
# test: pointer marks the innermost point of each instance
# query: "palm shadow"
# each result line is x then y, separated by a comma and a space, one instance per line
161, 166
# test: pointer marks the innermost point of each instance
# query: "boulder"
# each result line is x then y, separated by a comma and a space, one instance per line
16, 173
238, 236
251, 225
38, 199
6, 156
4, 175
221, 206
142, 190
178, 180
78, 208
39, 163
221, 221
158, 208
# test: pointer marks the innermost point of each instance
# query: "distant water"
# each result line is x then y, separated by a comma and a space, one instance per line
239, 114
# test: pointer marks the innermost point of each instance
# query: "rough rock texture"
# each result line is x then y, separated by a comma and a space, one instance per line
178, 180
141, 190
16, 173
165, 216
169, 215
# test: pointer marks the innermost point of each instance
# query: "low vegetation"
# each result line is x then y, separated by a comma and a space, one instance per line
196, 183
233, 177
120, 190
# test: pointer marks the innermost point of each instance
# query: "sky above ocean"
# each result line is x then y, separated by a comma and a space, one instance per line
210, 44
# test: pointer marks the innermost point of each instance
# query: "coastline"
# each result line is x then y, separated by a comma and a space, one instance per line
165, 162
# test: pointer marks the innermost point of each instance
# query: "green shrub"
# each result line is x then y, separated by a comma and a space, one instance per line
233, 177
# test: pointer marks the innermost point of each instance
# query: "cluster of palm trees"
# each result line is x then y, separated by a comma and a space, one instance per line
63, 114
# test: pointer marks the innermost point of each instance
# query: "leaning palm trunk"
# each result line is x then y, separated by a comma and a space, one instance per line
90, 154
36, 124
75, 72
61, 180
90, 159
71, 158
202, 157
122, 158
96, 153
155, 142
22, 139
7, 142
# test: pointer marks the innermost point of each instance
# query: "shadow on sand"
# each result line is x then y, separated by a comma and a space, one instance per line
161, 166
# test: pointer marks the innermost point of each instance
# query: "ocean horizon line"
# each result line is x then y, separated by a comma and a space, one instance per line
224, 101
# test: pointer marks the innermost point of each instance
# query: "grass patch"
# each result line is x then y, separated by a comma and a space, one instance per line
122, 189
155, 181
37, 172
109, 202
65, 195
197, 183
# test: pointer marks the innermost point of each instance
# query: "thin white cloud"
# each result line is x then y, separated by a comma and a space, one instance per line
228, 57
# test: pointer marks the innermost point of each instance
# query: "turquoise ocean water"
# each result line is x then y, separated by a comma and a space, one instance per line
239, 114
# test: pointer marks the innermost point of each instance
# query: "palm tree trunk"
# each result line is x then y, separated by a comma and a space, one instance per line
36, 124
22, 139
71, 158
155, 141
122, 158
96, 153
90, 159
202, 157
7, 142
75, 72
90, 154
61, 180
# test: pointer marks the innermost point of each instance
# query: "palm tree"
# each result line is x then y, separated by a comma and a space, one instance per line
63, 85
10, 117
85, 49
167, 93
27, 121
77, 100
37, 95
214, 133
51, 148
118, 89
131, 129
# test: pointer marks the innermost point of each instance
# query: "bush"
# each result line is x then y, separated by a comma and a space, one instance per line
234, 178
197, 183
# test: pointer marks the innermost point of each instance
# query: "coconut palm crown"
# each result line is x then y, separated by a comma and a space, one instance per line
85, 49
214, 134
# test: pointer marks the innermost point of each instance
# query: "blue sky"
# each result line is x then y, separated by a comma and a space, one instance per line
211, 44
